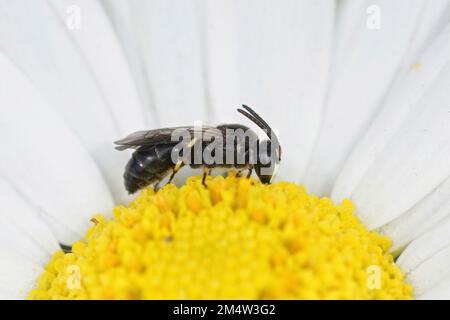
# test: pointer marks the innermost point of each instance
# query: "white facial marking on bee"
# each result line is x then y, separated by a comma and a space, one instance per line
191, 144
275, 170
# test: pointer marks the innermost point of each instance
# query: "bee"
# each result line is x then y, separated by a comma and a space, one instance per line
159, 152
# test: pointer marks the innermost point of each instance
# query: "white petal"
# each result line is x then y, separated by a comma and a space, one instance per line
405, 93
430, 272
438, 292
106, 61
51, 59
17, 276
221, 59
122, 18
414, 162
430, 211
44, 161
349, 16
426, 260
278, 67
371, 64
434, 18
26, 244
23, 231
171, 43
425, 247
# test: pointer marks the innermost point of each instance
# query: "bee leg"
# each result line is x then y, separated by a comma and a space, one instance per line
250, 171
206, 172
238, 174
157, 186
175, 170
65, 248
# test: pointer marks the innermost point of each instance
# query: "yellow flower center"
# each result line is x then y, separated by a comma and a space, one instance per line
235, 239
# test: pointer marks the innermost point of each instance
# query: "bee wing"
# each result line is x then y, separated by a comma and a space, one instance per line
164, 136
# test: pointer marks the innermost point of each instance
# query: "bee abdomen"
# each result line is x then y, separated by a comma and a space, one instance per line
146, 167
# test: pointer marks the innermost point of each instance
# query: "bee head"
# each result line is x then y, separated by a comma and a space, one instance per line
269, 157
269, 151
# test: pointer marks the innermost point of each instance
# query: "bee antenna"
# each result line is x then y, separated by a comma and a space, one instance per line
253, 116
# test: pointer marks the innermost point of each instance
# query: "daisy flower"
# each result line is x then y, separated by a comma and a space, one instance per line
357, 90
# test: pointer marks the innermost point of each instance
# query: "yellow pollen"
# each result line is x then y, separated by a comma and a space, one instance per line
416, 66
235, 239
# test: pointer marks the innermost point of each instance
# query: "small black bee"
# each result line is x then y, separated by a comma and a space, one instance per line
154, 158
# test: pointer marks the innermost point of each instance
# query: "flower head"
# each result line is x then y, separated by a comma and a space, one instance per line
237, 238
